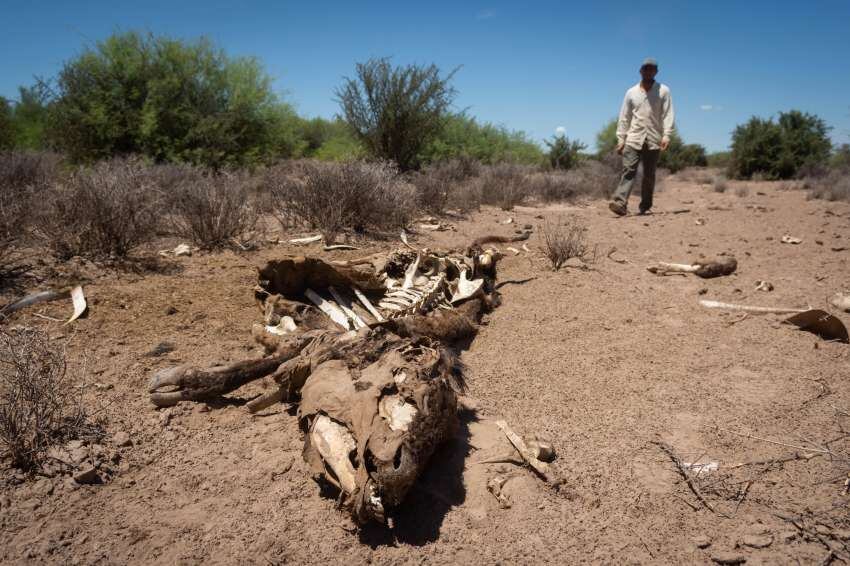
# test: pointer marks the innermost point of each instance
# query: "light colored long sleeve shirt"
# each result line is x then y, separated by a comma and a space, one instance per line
646, 116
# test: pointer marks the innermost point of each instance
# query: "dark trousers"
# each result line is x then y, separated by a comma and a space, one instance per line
631, 158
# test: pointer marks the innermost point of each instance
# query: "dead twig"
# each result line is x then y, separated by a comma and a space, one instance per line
685, 475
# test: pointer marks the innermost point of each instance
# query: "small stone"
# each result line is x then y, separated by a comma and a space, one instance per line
787, 536
42, 487
728, 557
79, 455
170, 310
161, 349
74, 444
87, 475
702, 291
701, 541
528, 227
757, 541
574, 262
122, 439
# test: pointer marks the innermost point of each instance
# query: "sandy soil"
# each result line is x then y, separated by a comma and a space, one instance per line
605, 361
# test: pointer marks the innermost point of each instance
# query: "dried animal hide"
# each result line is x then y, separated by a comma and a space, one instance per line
376, 386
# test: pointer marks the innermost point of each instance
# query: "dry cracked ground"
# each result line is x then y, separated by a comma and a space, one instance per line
611, 363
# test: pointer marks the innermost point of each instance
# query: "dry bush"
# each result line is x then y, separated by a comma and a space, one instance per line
214, 210
334, 197
23, 175
108, 209
504, 184
742, 190
437, 183
564, 239
38, 404
720, 184
832, 186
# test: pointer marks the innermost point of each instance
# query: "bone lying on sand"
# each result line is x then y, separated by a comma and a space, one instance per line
815, 321
367, 350
705, 269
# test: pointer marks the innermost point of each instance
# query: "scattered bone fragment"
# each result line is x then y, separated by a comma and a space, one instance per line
513, 250
526, 249
705, 269
182, 250
495, 486
542, 468
701, 468
764, 286
305, 241
335, 313
748, 308
542, 449
841, 301
333, 247
786, 239
509, 220
700, 222
79, 301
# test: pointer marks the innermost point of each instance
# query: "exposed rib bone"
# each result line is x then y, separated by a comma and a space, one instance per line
340, 247
365, 302
329, 308
748, 308
346, 308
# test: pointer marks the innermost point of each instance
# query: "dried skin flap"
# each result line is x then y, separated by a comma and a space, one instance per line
291, 277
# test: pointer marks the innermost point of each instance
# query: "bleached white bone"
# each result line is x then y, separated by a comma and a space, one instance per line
841, 301
285, 326
398, 413
673, 267
345, 305
329, 308
334, 443
365, 302
466, 287
410, 274
340, 247
748, 308
307, 240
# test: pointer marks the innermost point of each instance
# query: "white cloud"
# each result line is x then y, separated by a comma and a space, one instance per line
560, 130
485, 15
710, 107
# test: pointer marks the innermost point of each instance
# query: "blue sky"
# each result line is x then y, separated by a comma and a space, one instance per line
532, 66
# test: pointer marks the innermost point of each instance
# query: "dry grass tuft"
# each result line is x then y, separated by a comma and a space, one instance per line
38, 405
720, 184
564, 239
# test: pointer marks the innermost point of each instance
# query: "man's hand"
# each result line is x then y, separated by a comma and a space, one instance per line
665, 143
620, 147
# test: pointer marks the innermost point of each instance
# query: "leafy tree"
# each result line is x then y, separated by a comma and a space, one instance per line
396, 111
329, 140
719, 159
7, 133
679, 155
841, 157
30, 116
170, 100
563, 153
463, 137
779, 149
606, 139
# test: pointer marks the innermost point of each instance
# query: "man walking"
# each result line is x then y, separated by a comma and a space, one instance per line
643, 132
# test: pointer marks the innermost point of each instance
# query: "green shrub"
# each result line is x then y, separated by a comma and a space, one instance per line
680, 155
463, 137
606, 138
7, 132
719, 159
395, 111
779, 149
169, 100
563, 153
841, 157
30, 117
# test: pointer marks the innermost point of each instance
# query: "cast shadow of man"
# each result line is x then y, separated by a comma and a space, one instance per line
417, 521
